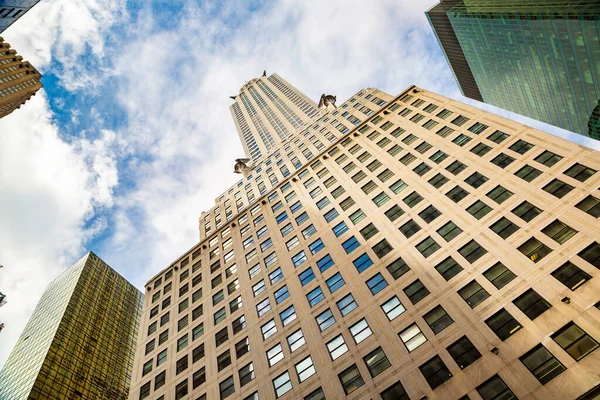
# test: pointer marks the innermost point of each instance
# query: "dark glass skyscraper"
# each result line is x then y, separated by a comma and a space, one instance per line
538, 58
12, 10
80, 340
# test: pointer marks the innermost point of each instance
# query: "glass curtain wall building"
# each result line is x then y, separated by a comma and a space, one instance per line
399, 247
12, 10
80, 341
538, 58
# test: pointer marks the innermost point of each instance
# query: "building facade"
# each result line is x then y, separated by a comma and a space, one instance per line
425, 249
538, 58
267, 111
12, 10
80, 341
19, 80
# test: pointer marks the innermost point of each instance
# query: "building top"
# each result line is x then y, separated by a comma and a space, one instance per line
12, 10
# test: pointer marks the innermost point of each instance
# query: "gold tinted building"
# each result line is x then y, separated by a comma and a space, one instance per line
80, 341
19, 80
407, 247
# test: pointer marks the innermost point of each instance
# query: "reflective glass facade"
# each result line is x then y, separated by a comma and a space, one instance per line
12, 10
80, 340
537, 58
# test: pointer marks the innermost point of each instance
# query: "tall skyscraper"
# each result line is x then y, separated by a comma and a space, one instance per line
80, 341
399, 247
19, 80
12, 10
538, 58
267, 111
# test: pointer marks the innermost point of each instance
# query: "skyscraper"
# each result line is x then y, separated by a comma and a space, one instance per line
80, 341
399, 247
12, 10
267, 111
19, 80
538, 58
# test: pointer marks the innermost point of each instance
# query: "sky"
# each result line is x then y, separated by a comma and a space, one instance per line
131, 137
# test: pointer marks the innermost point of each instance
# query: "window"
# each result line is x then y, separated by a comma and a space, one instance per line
449, 231
376, 284
339, 229
275, 276
580, 172
316, 246
534, 249
590, 205
558, 188
571, 275
416, 291
473, 293
268, 329
427, 247
499, 275
147, 368
296, 340
246, 374
381, 199
351, 379
321, 204
398, 268
275, 354
309, 231
305, 369
435, 372
575, 341
281, 217
457, 193
360, 331
472, 251
394, 213
335, 282
324, 263
448, 268
398, 186
532, 304
526, 211
413, 199
438, 157
476, 180
299, 258
495, 388
394, 392
325, 319
315, 296
315, 395
382, 248
503, 324
422, 169
463, 352
542, 364
412, 337
504, 227
559, 231
145, 391
393, 308
409, 228
376, 362
181, 390
259, 287
499, 194
337, 347
528, 173
497, 137
357, 216
438, 319
286, 230
346, 304
198, 331
263, 307
160, 379
242, 347
502, 160
591, 254
369, 231
281, 294
163, 337
183, 323
521, 146
282, 384
199, 377
438, 181
226, 388
306, 276
456, 167
223, 360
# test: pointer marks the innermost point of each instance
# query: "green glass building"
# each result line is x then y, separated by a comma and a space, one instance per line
538, 58
80, 341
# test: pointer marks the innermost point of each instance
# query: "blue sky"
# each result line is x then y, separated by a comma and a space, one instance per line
131, 137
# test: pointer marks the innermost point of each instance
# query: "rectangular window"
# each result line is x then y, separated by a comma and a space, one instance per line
575, 341
281, 294
416, 291
258, 288
558, 188
413, 199
412, 337
438, 319
351, 379
559, 231
316, 246
542, 364
288, 315
449, 231
305, 369
299, 258
377, 283
438, 181
532, 304
448, 268
499, 194
571, 275
268, 329
495, 388
226, 388
528, 173
324, 263
340, 228
398, 186
394, 213
263, 307
337, 347
275, 354
457, 193
393, 308
590, 205
502, 160
306, 276
473, 293
325, 319
335, 282
309, 231
472, 251
350, 245
221, 337
360, 331
503, 324
223, 360
534, 250
427, 247
438, 157
315, 296
296, 340
435, 372
504, 227
548, 158
409, 228
302, 218
463, 352
346, 304
398, 268
377, 362
580, 172
591, 254
499, 275
526, 211
286, 230
521, 146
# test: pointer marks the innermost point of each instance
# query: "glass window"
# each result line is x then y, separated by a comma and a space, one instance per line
351, 379
580, 172
521, 146
398, 268
282, 384
376, 362
591, 254
346, 304
315, 296
263, 307
575, 341
325, 319
502, 160
242, 347
495, 388
463, 352
275, 354
542, 364
558, 188
275, 276
305, 369
504, 227
393, 308
268, 329
499, 275
259, 287
427, 247
360, 331
526, 211
559, 231
503, 324
438, 319
324, 263
316, 394
571, 275
306, 276
337, 347
394, 392
377, 283
435, 372
532, 304
409, 228
223, 360
497, 137
534, 249
340, 228
472, 251
449, 231
590, 205
448, 268
281, 294
296, 340
416, 291
499, 194
226, 387
473, 293
299, 258
412, 337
